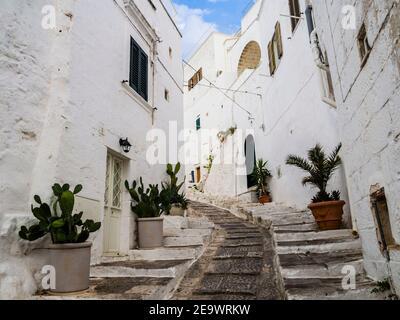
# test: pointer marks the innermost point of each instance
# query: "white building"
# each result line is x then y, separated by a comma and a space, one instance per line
363, 47
108, 70
271, 89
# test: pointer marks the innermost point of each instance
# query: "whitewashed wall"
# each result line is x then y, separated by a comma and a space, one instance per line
63, 107
289, 105
369, 116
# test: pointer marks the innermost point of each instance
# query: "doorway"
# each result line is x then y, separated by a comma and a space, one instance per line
113, 205
250, 154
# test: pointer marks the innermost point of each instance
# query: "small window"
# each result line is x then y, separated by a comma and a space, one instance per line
166, 95
197, 77
275, 49
138, 75
198, 123
192, 177
364, 47
382, 218
170, 52
295, 13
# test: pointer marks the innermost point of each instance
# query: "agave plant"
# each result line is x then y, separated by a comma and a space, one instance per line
64, 227
260, 175
320, 168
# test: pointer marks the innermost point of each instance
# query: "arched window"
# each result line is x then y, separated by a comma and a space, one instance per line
250, 58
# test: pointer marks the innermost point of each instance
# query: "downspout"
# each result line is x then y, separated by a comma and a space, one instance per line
153, 81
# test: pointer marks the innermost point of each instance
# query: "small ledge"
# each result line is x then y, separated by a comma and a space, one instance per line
329, 102
137, 98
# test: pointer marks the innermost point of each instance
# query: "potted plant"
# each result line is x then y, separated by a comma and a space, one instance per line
260, 175
70, 250
173, 202
326, 207
147, 205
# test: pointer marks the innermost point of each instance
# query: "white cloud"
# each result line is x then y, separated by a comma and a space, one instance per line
193, 27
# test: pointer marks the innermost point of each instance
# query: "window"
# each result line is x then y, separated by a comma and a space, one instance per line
295, 13
170, 52
192, 177
166, 94
329, 91
198, 123
275, 49
138, 76
363, 45
382, 218
198, 76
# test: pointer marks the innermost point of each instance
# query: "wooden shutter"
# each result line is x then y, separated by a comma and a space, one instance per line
271, 57
134, 66
143, 75
278, 37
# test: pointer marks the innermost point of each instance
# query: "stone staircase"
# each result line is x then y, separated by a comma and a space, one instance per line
312, 263
149, 274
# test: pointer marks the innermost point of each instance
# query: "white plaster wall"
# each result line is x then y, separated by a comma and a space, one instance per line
368, 115
62, 116
289, 105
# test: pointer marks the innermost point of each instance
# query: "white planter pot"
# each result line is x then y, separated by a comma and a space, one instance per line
150, 232
177, 211
72, 265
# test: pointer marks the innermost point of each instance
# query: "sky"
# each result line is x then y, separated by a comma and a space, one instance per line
198, 18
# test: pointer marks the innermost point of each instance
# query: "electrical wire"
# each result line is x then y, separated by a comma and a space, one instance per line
214, 86
230, 90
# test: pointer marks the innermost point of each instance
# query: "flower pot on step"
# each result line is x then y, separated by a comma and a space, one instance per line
150, 232
328, 215
177, 210
264, 199
72, 265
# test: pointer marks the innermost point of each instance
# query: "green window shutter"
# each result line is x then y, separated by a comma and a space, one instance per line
138, 73
134, 66
198, 124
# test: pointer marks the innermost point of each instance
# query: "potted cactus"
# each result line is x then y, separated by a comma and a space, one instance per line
174, 202
326, 207
260, 175
70, 250
147, 205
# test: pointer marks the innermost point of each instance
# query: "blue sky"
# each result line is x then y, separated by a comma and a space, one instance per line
198, 18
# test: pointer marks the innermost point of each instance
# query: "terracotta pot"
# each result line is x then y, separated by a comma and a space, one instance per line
72, 265
177, 211
328, 215
150, 232
264, 199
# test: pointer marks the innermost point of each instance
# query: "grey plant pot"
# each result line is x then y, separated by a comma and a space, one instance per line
177, 211
72, 265
150, 232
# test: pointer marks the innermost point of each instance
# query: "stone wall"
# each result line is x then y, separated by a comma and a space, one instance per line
369, 116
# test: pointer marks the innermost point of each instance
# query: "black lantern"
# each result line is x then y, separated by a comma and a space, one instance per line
125, 145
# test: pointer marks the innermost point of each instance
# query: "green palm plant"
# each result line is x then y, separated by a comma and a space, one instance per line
261, 174
320, 168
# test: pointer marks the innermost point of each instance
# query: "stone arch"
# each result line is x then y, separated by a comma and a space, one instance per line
250, 58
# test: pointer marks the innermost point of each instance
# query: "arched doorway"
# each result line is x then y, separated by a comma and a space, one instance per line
250, 154
250, 58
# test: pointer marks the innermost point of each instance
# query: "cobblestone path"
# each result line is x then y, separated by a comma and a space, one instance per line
237, 264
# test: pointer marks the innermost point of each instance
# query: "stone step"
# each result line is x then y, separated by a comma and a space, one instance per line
314, 238
318, 271
329, 248
163, 254
178, 242
204, 233
199, 223
309, 227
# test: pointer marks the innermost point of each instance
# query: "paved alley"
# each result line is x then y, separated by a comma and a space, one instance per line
238, 264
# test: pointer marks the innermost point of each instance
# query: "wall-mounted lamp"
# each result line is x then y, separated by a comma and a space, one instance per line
125, 145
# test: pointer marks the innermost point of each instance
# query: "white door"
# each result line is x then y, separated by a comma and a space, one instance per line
113, 205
